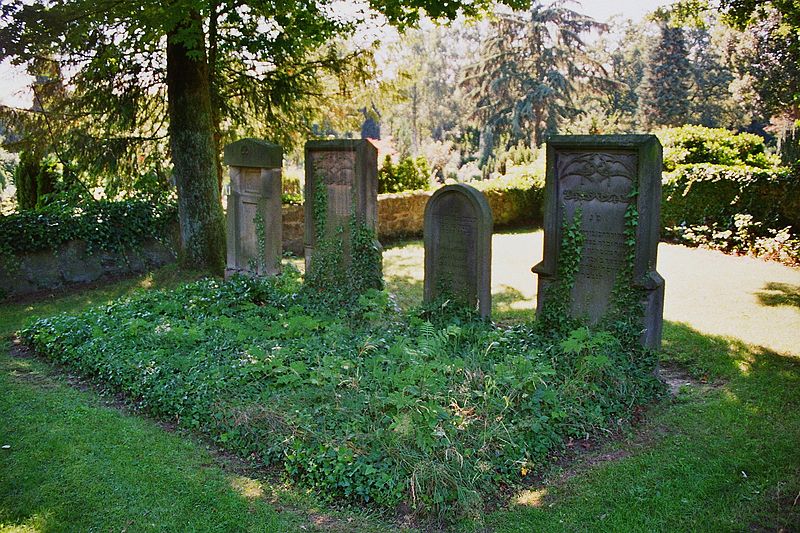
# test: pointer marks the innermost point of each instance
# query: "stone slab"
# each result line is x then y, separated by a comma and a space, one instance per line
349, 176
254, 212
254, 153
458, 247
596, 176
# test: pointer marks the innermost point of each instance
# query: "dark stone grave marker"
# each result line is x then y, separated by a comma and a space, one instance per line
599, 177
458, 247
346, 171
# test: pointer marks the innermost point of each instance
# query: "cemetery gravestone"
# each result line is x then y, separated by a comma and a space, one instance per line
600, 180
458, 247
345, 172
254, 221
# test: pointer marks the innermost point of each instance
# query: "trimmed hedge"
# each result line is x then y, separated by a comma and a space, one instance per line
718, 146
736, 209
706, 194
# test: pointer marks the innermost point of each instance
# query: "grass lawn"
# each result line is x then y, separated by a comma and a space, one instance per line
722, 455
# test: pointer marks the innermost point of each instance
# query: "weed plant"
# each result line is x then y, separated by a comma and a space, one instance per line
433, 408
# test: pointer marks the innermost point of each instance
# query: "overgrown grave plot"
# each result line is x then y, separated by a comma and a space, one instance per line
430, 409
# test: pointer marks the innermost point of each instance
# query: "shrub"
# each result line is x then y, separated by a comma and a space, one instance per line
104, 225
733, 208
35, 178
291, 190
718, 146
407, 175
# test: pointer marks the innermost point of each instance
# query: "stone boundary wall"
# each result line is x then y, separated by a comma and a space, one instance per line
400, 216
69, 264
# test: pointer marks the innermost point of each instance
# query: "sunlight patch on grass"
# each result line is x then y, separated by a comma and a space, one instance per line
531, 498
248, 488
147, 282
34, 524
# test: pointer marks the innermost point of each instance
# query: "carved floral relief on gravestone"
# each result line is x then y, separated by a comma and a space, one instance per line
458, 247
345, 172
611, 187
254, 215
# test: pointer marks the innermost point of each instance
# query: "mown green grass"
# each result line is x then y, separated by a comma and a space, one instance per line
721, 456
77, 465
679, 470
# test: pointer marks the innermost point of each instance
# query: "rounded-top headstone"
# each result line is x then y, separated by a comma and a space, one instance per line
458, 247
253, 153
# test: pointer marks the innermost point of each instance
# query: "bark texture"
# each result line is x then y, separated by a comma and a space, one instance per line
193, 155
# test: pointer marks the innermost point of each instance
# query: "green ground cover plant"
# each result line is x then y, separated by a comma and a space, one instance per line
105, 225
433, 409
677, 469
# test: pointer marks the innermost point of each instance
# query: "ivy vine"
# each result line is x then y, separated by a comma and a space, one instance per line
556, 316
330, 272
626, 308
104, 225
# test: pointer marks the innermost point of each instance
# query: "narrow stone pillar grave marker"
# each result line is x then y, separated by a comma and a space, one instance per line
458, 247
599, 177
346, 171
254, 218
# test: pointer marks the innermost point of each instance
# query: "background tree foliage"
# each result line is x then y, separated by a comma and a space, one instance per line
664, 92
221, 65
530, 68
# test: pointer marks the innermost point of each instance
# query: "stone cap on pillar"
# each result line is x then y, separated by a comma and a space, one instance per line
253, 153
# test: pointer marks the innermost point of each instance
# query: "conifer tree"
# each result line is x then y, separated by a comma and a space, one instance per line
529, 73
665, 91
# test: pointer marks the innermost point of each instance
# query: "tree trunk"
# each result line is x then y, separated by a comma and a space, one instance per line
194, 163
213, 81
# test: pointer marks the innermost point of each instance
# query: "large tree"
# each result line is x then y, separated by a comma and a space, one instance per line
213, 59
664, 95
529, 72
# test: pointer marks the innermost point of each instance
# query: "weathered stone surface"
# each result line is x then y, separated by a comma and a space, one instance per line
347, 171
254, 215
458, 247
253, 153
401, 214
598, 177
70, 264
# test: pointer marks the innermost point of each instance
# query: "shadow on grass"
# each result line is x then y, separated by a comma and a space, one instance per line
714, 458
779, 294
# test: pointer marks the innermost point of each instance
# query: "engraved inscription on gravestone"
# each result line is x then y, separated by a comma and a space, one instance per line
254, 216
348, 170
458, 247
595, 176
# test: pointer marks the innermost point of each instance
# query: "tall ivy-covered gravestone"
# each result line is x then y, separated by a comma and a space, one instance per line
605, 192
254, 218
458, 247
341, 215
